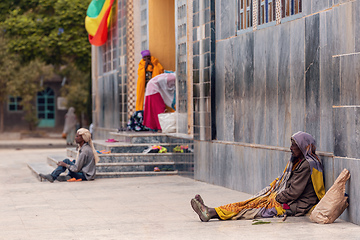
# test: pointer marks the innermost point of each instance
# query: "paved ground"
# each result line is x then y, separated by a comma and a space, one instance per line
129, 208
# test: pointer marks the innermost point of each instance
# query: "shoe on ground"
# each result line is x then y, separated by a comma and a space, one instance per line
74, 180
63, 178
47, 177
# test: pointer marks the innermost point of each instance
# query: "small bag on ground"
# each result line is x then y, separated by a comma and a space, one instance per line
334, 203
167, 122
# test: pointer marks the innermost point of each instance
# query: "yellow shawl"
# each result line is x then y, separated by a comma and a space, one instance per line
140, 89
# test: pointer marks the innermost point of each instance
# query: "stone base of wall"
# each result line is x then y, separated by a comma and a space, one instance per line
251, 167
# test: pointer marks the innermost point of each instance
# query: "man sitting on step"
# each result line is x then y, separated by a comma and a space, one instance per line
83, 168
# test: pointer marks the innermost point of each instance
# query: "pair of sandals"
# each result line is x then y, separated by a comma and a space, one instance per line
198, 206
74, 180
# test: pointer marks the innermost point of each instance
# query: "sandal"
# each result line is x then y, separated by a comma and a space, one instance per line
201, 210
74, 180
198, 197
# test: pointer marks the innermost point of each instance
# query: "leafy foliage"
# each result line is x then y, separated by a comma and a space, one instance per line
46, 36
77, 90
8, 67
27, 83
52, 30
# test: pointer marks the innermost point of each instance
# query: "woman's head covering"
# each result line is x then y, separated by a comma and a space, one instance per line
307, 145
71, 110
86, 135
164, 84
145, 53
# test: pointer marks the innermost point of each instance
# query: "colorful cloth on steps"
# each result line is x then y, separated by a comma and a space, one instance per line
181, 149
155, 149
103, 152
264, 203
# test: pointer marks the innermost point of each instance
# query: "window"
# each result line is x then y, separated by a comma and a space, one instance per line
266, 11
253, 13
15, 104
290, 7
245, 14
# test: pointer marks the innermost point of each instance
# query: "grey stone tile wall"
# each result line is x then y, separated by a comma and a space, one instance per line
203, 69
181, 68
285, 78
347, 131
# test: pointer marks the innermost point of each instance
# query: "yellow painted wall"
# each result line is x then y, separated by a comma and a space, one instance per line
162, 32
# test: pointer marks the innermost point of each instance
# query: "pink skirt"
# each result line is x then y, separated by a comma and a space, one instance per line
154, 105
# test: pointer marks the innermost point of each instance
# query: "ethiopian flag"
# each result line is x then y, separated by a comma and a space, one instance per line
97, 21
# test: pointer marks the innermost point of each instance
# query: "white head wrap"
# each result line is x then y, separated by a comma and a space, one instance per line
86, 135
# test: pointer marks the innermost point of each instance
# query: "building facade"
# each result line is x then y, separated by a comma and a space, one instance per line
249, 75
50, 110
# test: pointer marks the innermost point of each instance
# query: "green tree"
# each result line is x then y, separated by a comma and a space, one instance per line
77, 90
53, 32
8, 66
26, 84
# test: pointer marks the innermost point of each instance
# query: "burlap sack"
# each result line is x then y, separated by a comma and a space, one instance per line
333, 204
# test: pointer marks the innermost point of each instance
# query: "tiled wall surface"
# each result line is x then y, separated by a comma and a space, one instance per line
203, 68
273, 82
112, 79
181, 68
278, 80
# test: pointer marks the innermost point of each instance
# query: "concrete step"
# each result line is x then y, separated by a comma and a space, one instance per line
123, 147
134, 174
120, 166
37, 168
139, 157
150, 137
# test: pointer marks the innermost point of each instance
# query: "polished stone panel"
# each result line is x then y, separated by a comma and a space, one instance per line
249, 104
271, 103
229, 78
312, 75
319, 5
259, 86
220, 91
348, 79
326, 84
225, 19
239, 91
346, 131
284, 114
297, 75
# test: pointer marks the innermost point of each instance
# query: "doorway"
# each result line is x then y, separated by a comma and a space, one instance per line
45, 103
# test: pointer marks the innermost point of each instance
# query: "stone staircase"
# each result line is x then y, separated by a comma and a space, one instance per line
127, 157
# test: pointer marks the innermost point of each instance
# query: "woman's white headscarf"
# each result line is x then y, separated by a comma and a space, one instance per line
86, 135
165, 85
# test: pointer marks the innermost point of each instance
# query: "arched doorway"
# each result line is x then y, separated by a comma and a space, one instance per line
45, 103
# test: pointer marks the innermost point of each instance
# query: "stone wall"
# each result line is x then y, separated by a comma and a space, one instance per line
275, 81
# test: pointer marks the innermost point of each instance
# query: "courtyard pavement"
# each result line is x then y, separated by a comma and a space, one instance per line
129, 208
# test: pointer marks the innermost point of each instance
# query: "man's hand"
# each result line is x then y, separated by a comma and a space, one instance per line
62, 164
